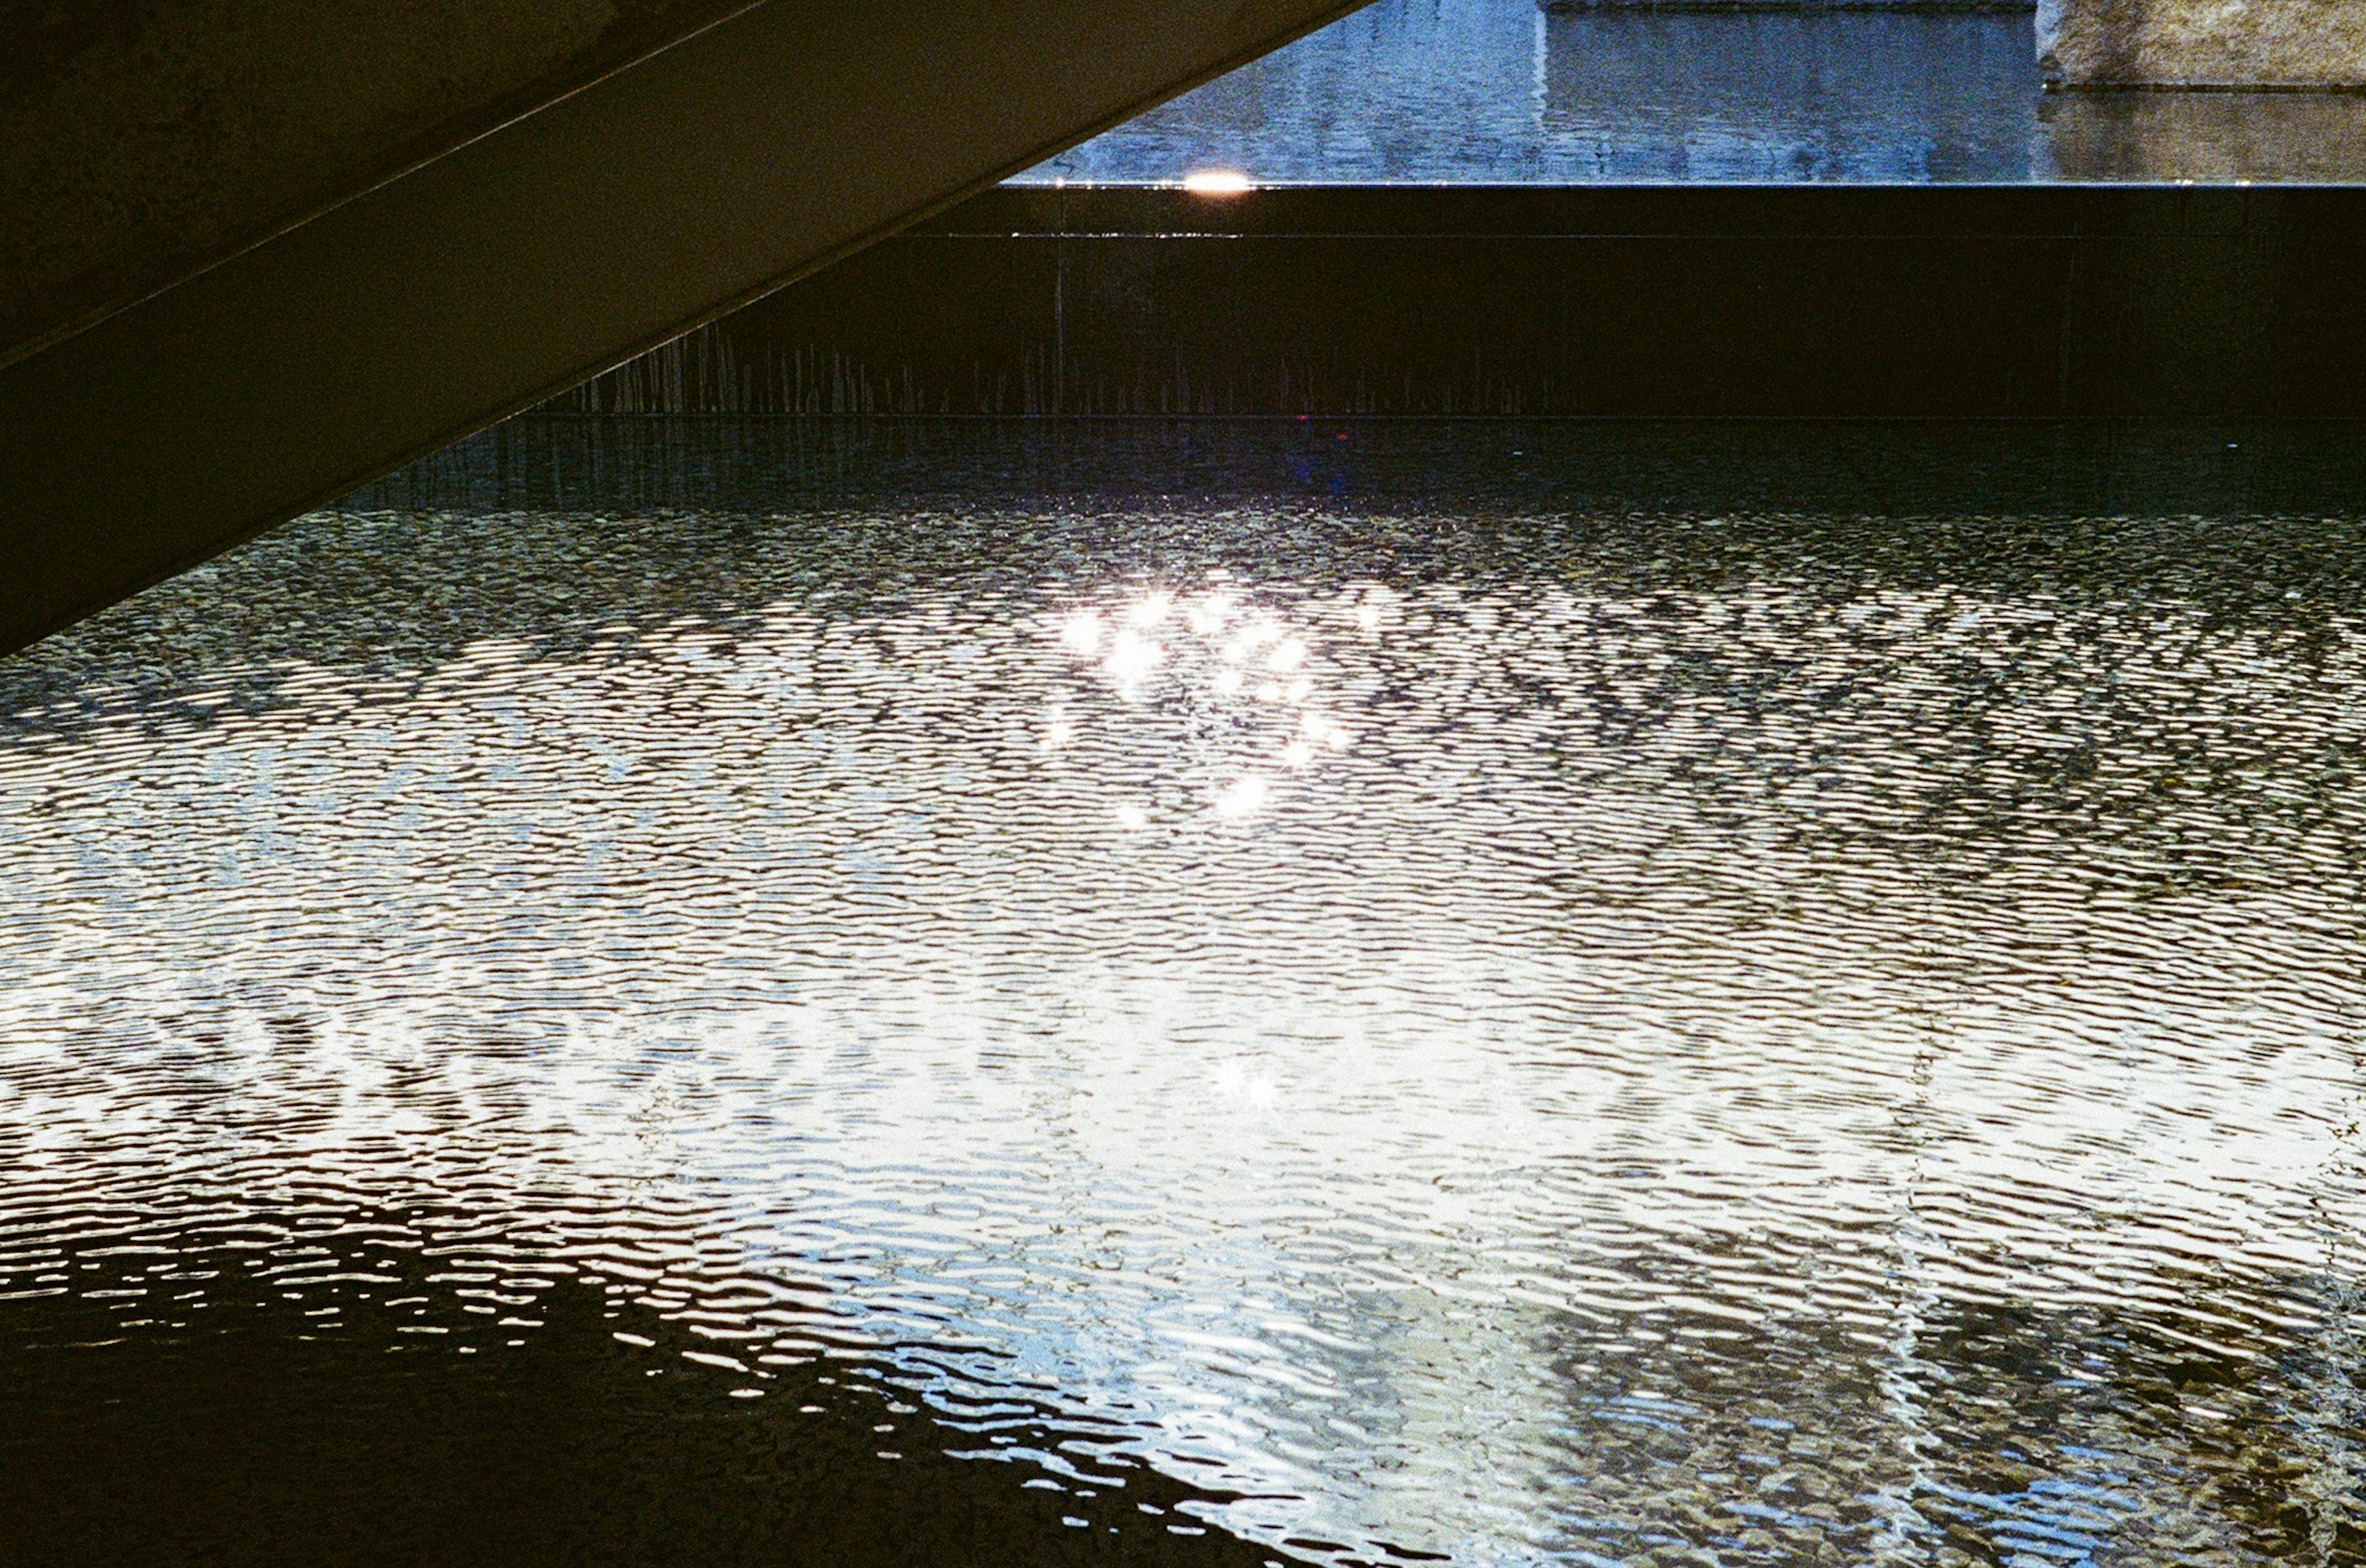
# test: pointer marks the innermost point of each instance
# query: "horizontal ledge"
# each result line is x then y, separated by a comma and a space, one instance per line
2328, 88
1020, 215
2194, 422
1909, 7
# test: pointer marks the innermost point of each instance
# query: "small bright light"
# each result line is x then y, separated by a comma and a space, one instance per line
1130, 657
1228, 682
1235, 1081
1241, 796
1082, 633
1296, 754
1217, 182
1289, 656
1056, 734
1131, 816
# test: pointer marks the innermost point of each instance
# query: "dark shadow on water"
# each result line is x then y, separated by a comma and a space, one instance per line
1905, 467
214, 1403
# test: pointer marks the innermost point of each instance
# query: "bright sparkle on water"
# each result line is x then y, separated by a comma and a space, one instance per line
1593, 1042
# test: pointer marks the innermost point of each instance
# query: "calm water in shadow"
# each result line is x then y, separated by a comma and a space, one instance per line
1278, 995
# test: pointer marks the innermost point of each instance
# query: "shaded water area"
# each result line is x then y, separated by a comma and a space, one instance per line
1519, 994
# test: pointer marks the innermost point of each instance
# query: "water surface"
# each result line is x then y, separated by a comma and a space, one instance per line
1502, 91
1223, 1008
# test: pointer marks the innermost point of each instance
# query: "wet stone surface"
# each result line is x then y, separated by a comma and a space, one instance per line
1126, 1021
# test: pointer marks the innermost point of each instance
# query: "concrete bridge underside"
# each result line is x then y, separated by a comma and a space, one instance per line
255, 252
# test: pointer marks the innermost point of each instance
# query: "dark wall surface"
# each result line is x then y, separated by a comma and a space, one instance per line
2028, 303
249, 1432
144, 140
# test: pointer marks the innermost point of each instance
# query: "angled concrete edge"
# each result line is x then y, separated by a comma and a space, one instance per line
570, 239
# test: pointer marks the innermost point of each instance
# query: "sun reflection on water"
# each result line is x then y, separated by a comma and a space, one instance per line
1523, 1062
1223, 644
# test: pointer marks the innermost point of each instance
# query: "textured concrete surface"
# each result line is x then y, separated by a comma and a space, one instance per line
2203, 43
142, 139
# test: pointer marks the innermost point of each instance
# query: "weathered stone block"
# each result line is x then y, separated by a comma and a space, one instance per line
2203, 43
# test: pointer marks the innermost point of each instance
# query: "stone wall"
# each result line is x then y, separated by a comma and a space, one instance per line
2203, 43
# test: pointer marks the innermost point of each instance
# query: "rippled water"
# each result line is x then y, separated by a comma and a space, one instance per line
1456, 91
1358, 1028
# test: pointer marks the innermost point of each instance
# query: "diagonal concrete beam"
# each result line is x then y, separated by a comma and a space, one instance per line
640, 205
147, 139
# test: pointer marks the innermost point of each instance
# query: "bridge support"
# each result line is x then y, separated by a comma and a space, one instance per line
153, 425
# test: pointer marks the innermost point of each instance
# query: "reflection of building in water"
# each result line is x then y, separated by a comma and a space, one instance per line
1405, 90
1643, 95
1412, 91
2269, 136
